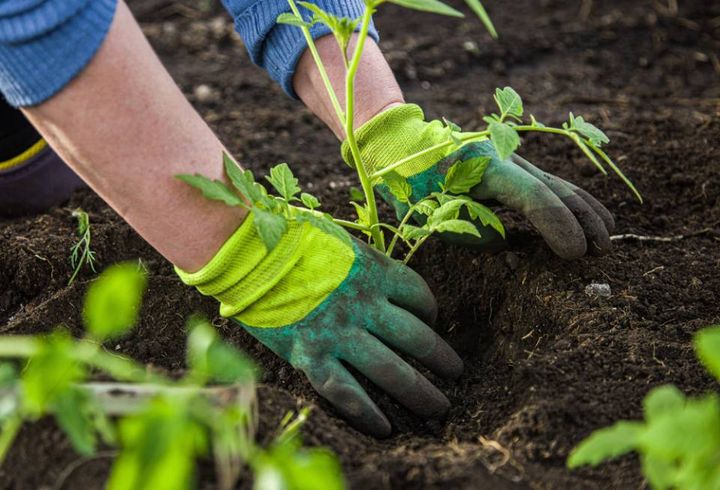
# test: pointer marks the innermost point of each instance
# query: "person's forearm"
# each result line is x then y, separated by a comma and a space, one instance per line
375, 86
127, 130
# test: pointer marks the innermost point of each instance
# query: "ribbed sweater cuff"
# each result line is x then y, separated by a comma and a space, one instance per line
278, 47
44, 45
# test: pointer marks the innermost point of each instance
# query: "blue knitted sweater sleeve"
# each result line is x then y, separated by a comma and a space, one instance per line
277, 47
44, 44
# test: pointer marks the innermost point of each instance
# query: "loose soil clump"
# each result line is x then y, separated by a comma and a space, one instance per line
546, 363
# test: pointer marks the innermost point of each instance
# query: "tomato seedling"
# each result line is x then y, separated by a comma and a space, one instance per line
439, 212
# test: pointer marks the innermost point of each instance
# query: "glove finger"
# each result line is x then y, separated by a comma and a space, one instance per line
601, 210
598, 238
334, 383
514, 187
405, 332
396, 377
407, 289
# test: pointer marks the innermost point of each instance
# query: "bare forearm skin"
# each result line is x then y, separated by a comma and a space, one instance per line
126, 128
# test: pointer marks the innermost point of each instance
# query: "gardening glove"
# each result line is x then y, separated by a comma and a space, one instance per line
318, 301
570, 220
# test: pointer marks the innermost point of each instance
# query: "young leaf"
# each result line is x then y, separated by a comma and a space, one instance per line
606, 443
270, 226
410, 232
292, 19
362, 213
591, 132
113, 301
448, 211
356, 194
426, 206
310, 201
464, 175
662, 400
283, 180
509, 102
211, 359
458, 226
325, 224
432, 6
212, 189
707, 346
399, 186
482, 14
505, 139
481, 212
244, 181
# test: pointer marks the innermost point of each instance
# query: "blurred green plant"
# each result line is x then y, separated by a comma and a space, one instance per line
161, 426
679, 440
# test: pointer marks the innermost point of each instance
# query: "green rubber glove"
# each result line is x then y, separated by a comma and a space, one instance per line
570, 220
318, 301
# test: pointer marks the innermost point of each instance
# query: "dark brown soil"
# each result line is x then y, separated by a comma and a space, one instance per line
546, 363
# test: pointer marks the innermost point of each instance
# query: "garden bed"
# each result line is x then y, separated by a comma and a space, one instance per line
546, 363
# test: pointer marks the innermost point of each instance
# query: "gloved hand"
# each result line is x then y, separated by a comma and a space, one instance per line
317, 302
570, 220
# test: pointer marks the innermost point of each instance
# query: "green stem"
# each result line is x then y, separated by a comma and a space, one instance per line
377, 234
464, 138
319, 64
351, 224
404, 221
18, 346
414, 249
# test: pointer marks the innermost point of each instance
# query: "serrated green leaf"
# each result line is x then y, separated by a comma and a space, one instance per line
707, 346
283, 180
244, 181
212, 189
310, 201
464, 175
411, 232
605, 444
663, 400
113, 301
486, 216
363, 215
270, 226
591, 132
505, 139
482, 14
399, 186
458, 226
325, 224
432, 6
448, 211
509, 102
292, 19
426, 207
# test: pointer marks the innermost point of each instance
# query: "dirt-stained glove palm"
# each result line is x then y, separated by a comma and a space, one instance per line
318, 301
570, 220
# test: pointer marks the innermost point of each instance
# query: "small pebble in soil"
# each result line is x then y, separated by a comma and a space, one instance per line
203, 93
598, 290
